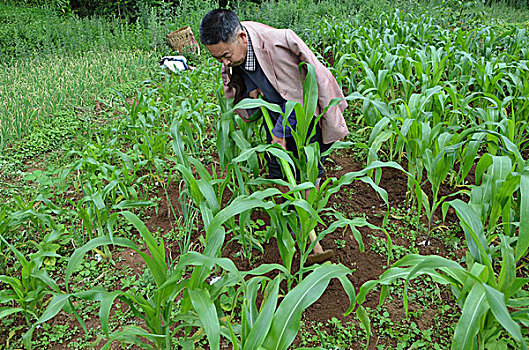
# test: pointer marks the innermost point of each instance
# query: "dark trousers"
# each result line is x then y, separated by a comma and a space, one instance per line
274, 168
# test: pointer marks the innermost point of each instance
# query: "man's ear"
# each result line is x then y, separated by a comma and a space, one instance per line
243, 36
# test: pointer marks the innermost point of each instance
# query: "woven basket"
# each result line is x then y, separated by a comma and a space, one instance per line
183, 39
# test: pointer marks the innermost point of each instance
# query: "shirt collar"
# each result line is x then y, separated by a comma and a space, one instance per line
250, 62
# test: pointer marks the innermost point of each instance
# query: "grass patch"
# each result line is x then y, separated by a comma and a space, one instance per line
34, 91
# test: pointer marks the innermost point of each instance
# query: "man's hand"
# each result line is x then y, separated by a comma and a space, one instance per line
279, 140
255, 93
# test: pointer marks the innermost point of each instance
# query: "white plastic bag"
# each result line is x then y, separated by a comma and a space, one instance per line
174, 63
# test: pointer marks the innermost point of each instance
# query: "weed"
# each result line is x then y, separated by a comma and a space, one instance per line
340, 243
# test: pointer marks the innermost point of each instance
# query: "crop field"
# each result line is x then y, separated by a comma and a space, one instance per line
136, 212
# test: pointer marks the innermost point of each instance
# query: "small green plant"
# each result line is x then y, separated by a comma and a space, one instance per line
483, 293
340, 243
29, 290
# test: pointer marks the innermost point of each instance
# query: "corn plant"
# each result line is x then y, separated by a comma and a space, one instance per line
155, 309
500, 192
207, 190
105, 186
270, 325
307, 163
29, 290
482, 292
100, 198
180, 97
438, 163
414, 137
401, 55
231, 142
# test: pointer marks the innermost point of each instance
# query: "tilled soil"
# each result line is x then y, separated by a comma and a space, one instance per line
354, 200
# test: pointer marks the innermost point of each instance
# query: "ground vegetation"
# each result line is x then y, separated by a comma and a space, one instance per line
135, 212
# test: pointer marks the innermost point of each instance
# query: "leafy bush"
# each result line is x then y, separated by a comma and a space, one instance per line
38, 31
300, 15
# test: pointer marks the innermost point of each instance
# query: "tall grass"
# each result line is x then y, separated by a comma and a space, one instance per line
50, 60
30, 32
303, 16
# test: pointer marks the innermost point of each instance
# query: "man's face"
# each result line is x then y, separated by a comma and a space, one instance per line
231, 53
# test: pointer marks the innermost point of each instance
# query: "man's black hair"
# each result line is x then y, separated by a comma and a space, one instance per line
219, 25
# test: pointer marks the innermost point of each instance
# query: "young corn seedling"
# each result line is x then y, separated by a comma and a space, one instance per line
497, 195
484, 289
270, 325
29, 289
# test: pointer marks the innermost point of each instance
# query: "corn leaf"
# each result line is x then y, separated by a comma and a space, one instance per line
467, 327
523, 235
496, 300
263, 322
6, 311
285, 325
208, 316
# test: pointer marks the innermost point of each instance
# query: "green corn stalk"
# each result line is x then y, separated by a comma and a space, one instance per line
281, 217
29, 289
270, 326
308, 162
309, 207
438, 163
483, 292
501, 192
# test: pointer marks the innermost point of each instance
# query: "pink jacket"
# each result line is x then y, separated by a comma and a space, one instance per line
279, 52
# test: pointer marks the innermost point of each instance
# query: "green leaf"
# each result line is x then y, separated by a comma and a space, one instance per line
350, 291
507, 275
468, 326
56, 304
249, 103
208, 316
263, 322
78, 255
131, 335
523, 235
107, 300
157, 264
305, 206
194, 258
496, 301
285, 325
130, 204
6, 311
310, 91
474, 235
364, 319
239, 205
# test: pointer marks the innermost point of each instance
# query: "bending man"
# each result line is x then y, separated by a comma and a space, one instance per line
258, 60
